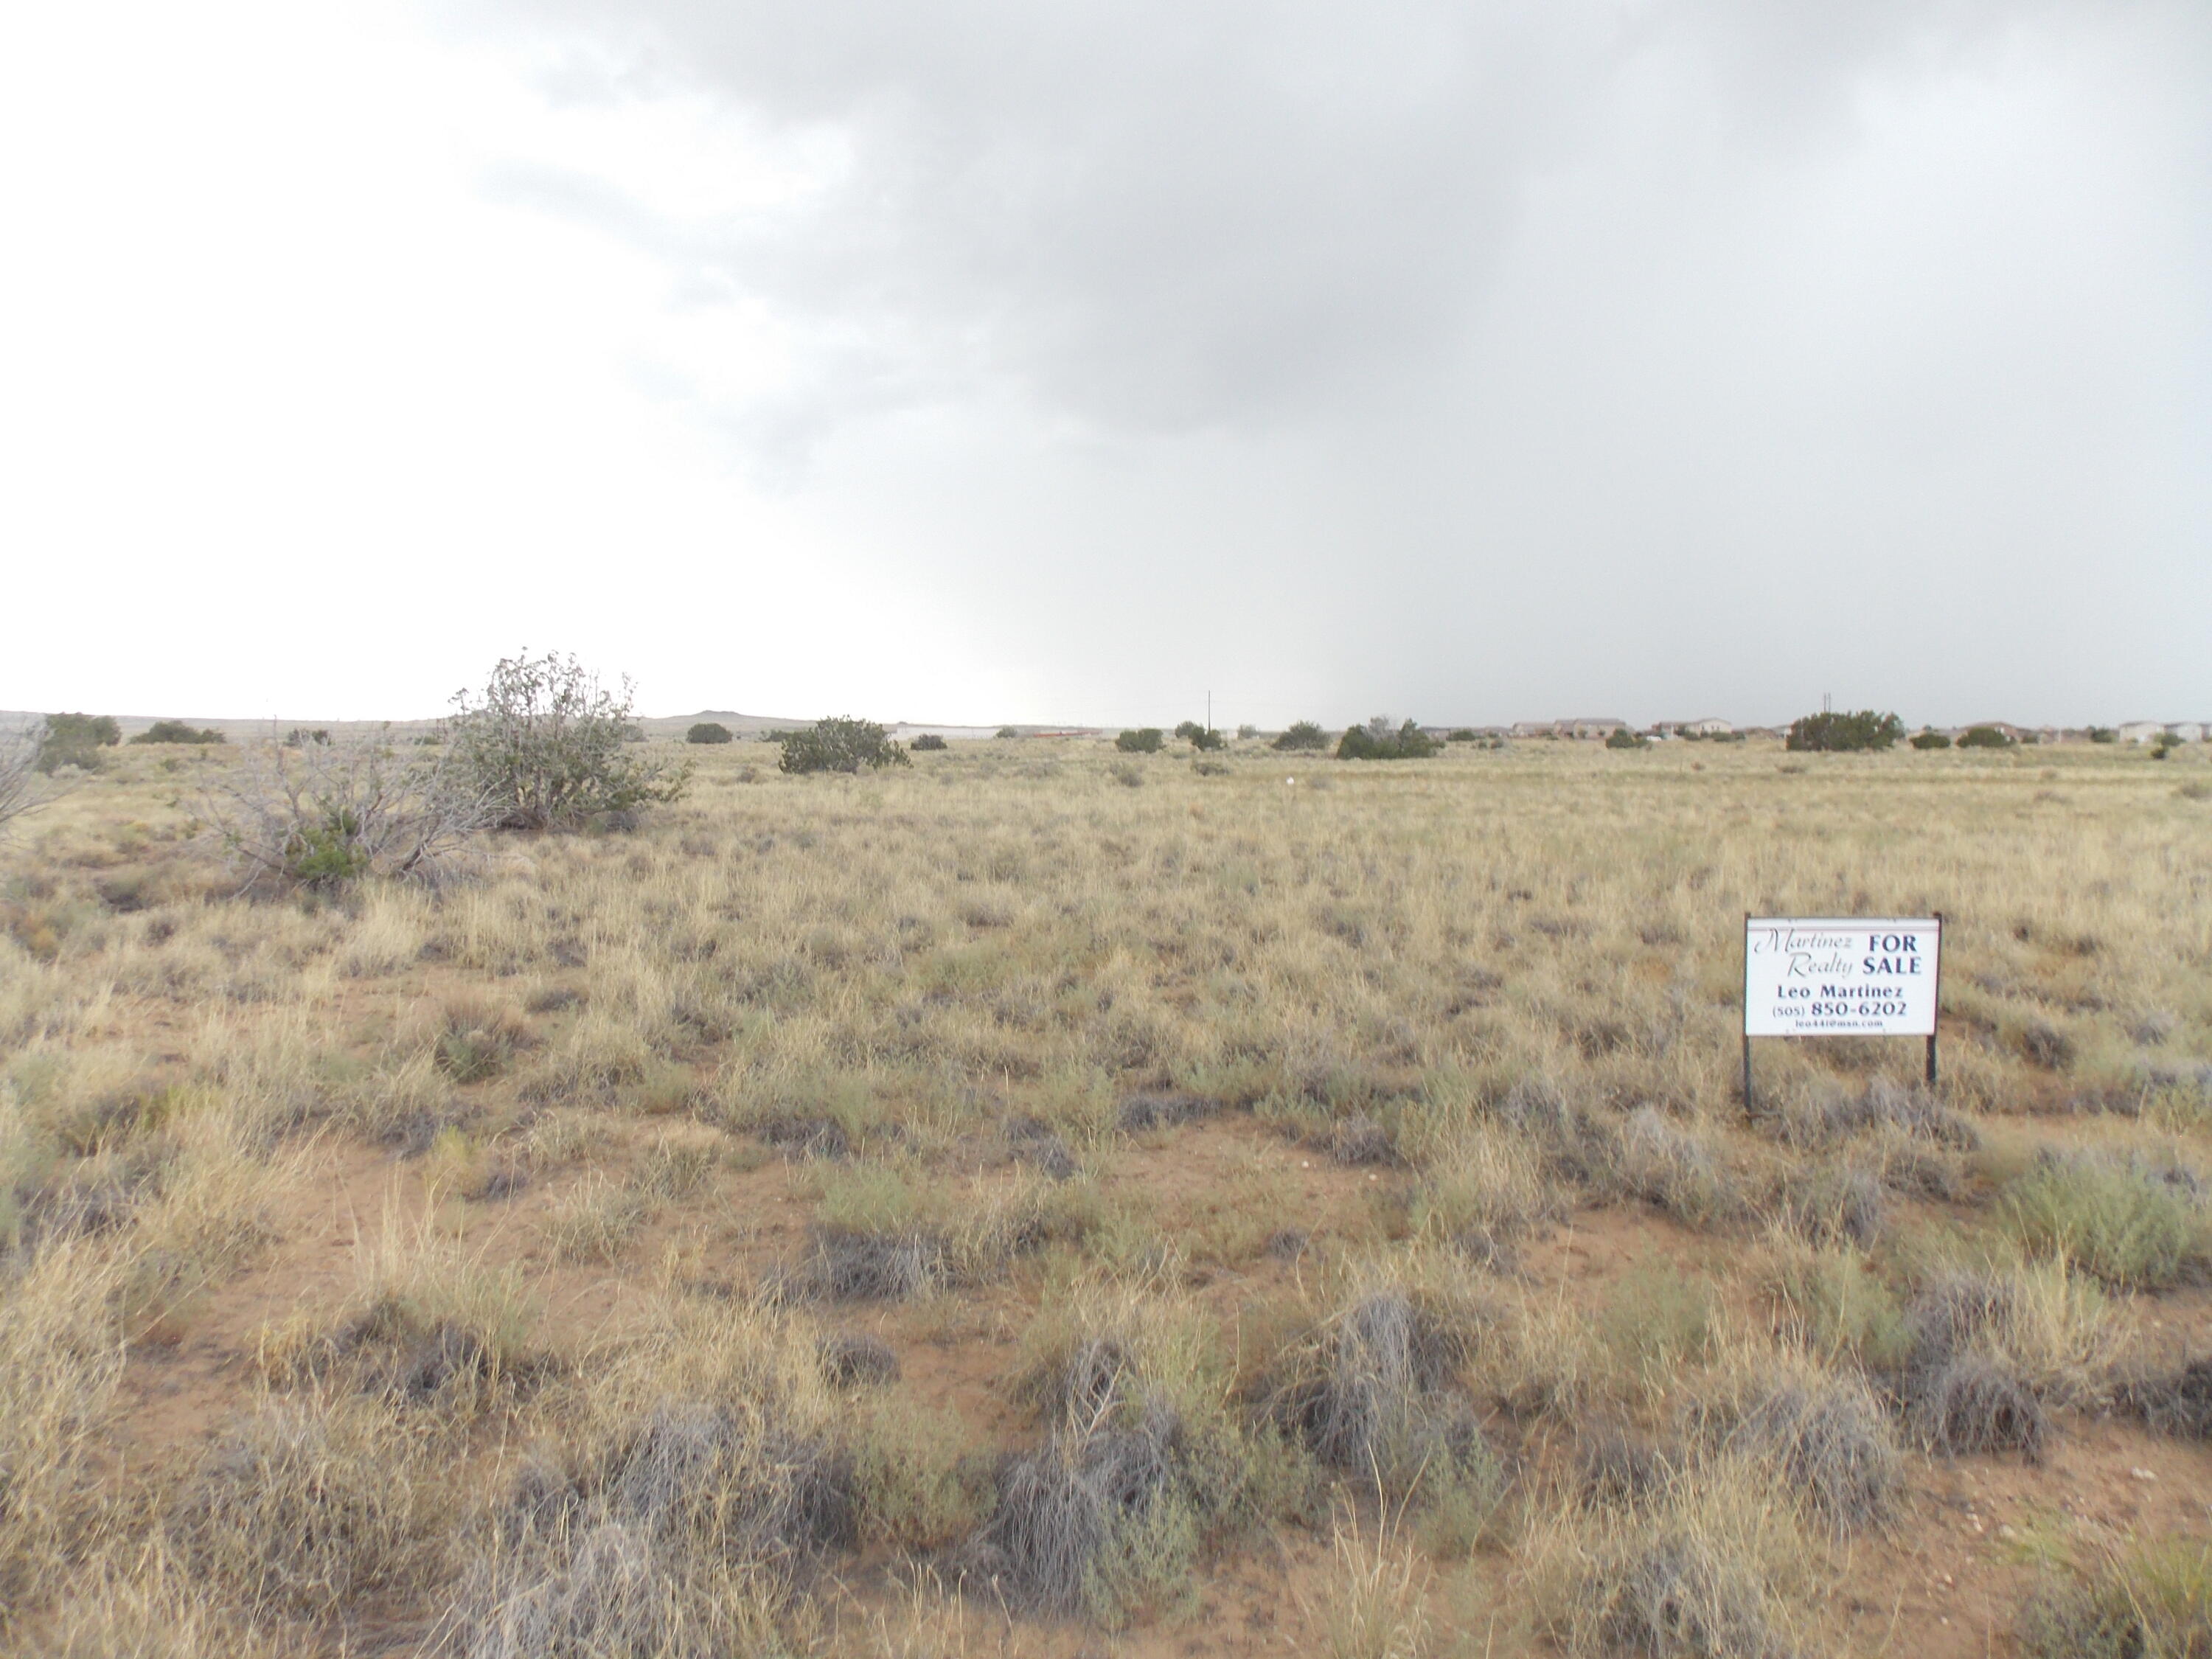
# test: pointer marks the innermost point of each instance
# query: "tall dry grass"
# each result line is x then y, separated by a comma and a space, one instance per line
946, 1015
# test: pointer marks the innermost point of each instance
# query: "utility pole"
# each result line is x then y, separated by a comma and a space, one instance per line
1209, 711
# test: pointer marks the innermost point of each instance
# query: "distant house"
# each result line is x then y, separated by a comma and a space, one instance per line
2142, 731
1704, 728
2188, 731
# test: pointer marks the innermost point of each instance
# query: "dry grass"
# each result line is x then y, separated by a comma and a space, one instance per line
1707, 1566
1374, 1608
590, 1255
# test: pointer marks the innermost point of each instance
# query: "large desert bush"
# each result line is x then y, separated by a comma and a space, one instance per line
839, 743
1377, 740
76, 741
546, 746
1837, 731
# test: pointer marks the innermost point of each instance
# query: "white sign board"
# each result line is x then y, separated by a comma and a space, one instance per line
1828, 976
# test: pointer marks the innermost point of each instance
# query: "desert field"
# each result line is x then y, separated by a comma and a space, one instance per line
1041, 1200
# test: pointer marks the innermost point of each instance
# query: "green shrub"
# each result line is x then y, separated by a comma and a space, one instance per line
1141, 740
1376, 741
177, 732
2154, 1602
1465, 734
841, 744
2164, 744
2123, 1221
928, 742
1200, 736
1838, 731
1983, 737
1009, 731
545, 746
1303, 735
76, 741
1622, 737
707, 731
1928, 738
300, 736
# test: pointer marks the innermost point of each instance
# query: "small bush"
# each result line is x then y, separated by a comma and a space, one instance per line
842, 745
1842, 1307
1830, 1441
1375, 1392
1962, 1389
1141, 740
1376, 741
1302, 734
1577, 1144
2154, 1601
1838, 731
672, 1530
2103, 734
1200, 736
1701, 1570
1659, 1319
928, 743
1838, 1204
1928, 738
1480, 1194
852, 1359
1675, 1169
1621, 738
597, 1222
305, 1508
432, 1332
177, 732
300, 736
708, 732
910, 1478
2130, 1224
1983, 737
1004, 732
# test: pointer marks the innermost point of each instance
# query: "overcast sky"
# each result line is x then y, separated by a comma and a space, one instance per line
1020, 359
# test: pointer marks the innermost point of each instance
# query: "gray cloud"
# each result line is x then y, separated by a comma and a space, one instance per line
1809, 341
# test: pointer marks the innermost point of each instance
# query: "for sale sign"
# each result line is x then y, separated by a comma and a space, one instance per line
1833, 977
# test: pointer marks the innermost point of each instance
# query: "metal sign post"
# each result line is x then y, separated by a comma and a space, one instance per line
1840, 976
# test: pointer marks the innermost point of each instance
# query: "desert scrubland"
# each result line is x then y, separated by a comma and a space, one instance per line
1044, 1202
